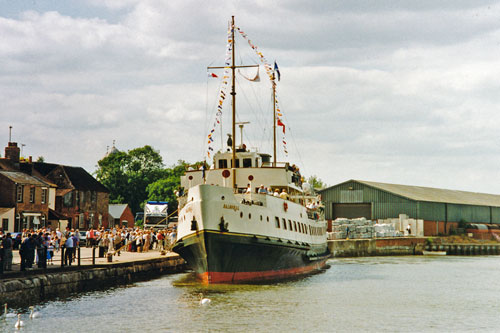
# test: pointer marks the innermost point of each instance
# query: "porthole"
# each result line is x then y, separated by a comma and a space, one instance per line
268, 219
249, 216
241, 214
222, 198
261, 218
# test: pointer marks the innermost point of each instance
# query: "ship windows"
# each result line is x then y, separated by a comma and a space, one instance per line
295, 225
236, 162
277, 222
222, 164
222, 198
241, 214
249, 216
261, 218
247, 162
284, 223
268, 219
290, 225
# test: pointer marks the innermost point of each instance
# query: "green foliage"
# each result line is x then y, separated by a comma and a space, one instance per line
139, 223
40, 159
139, 175
127, 175
316, 183
164, 189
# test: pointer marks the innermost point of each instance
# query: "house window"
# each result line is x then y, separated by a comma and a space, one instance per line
32, 194
20, 193
247, 162
44, 195
68, 199
222, 164
93, 198
5, 225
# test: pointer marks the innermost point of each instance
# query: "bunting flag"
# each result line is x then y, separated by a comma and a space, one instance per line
223, 89
212, 75
277, 70
272, 72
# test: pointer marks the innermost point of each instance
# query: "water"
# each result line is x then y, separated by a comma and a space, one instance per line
394, 294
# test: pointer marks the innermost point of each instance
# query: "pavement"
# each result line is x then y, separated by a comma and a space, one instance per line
86, 260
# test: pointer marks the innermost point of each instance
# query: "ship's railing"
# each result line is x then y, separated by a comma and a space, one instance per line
253, 199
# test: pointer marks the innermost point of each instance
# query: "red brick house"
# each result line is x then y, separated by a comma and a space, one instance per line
79, 196
120, 215
28, 194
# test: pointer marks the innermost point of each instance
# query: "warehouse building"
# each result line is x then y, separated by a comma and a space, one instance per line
441, 210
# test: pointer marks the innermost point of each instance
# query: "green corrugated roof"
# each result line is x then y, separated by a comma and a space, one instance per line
420, 193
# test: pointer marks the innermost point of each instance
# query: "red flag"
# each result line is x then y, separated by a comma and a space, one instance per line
212, 75
281, 124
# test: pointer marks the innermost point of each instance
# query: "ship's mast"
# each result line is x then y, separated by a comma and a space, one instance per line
274, 121
233, 94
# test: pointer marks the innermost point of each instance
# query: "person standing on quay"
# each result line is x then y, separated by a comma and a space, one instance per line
68, 256
7, 252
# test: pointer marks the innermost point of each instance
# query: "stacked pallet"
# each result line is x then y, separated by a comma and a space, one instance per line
359, 228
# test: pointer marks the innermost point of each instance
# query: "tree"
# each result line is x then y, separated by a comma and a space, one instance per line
164, 189
40, 159
316, 183
127, 175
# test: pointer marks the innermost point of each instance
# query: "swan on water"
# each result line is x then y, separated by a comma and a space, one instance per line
34, 314
204, 301
8, 314
19, 322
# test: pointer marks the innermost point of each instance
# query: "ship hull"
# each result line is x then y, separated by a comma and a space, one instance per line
223, 257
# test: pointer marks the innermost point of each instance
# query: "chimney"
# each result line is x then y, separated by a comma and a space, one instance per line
12, 152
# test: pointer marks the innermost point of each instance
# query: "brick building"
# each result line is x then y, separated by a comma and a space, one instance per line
27, 193
79, 196
120, 215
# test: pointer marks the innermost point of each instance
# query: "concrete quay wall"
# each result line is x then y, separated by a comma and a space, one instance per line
29, 290
376, 247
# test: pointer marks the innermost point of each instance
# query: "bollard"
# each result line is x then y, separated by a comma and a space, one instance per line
79, 255
110, 257
93, 255
44, 263
62, 256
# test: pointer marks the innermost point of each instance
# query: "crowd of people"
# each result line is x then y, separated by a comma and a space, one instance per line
39, 246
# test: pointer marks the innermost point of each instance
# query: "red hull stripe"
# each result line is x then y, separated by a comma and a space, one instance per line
238, 277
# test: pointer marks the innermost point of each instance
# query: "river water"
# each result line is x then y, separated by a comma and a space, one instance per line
375, 294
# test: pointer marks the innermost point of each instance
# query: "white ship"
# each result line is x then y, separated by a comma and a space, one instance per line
229, 231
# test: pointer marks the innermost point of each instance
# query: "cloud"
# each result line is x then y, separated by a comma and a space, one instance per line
383, 90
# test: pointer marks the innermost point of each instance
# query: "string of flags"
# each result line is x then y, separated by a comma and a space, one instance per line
271, 71
223, 89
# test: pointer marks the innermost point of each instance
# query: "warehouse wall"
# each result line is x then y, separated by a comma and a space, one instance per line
384, 204
387, 205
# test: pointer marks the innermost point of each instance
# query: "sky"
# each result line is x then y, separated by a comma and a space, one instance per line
403, 92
